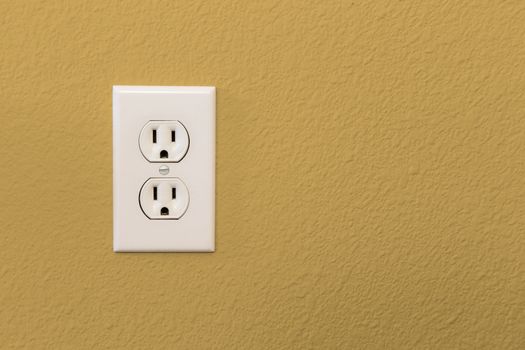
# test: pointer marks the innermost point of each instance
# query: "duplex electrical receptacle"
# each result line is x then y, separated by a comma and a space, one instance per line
163, 169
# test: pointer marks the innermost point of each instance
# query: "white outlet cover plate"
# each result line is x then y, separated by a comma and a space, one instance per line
134, 107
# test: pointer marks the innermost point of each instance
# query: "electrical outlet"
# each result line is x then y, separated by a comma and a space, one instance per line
164, 141
163, 169
164, 198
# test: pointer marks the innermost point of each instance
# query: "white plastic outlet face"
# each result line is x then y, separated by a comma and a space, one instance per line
164, 141
163, 169
164, 198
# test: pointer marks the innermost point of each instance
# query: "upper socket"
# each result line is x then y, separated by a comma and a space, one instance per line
164, 141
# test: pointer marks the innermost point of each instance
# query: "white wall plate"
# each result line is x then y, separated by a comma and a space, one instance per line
163, 169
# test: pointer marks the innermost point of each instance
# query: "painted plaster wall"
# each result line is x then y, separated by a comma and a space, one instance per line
370, 175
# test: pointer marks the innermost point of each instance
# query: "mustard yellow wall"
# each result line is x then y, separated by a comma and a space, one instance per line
370, 175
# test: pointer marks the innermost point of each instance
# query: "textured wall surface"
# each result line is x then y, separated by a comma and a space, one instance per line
370, 175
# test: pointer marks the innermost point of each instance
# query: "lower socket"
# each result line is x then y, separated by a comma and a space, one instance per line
165, 198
